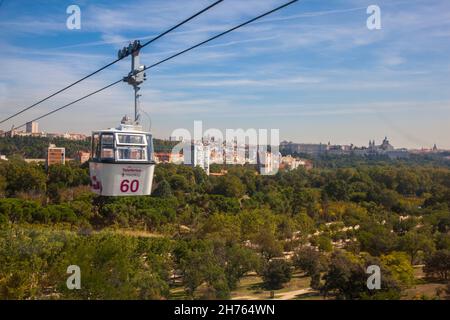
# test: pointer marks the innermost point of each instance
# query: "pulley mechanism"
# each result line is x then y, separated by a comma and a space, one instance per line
137, 75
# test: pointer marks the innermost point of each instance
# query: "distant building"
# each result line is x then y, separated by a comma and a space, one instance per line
67, 135
162, 157
385, 145
423, 150
385, 148
55, 155
306, 148
32, 127
217, 155
197, 154
231, 152
82, 156
74, 136
168, 157
398, 154
176, 158
268, 162
291, 163
175, 138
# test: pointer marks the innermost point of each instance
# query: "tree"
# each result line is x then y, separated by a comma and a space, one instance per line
401, 227
179, 182
201, 179
400, 267
304, 224
376, 238
114, 267
219, 203
312, 262
414, 242
23, 177
388, 198
285, 228
275, 274
269, 246
163, 189
337, 190
3, 185
200, 265
438, 264
408, 183
34, 263
323, 242
346, 277
61, 174
25, 256
238, 262
230, 186
221, 228
252, 221
439, 220
443, 241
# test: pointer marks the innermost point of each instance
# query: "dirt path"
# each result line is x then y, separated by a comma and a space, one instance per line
279, 296
291, 294
245, 298
138, 233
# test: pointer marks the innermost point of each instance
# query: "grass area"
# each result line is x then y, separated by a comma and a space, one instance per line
298, 281
250, 288
138, 233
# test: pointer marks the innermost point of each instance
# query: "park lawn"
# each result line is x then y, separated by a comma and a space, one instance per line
250, 287
298, 281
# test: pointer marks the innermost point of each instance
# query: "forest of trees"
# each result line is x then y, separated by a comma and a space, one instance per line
206, 233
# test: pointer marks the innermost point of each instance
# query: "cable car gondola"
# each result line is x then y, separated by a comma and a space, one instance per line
122, 161
122, 158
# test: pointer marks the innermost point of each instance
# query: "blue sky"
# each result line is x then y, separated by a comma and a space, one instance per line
312, 70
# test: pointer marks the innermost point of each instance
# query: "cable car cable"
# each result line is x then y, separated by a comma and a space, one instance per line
69, 104
111, 63
181, 23
162, 61
218, 35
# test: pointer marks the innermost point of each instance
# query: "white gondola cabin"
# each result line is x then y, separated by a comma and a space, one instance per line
122, 161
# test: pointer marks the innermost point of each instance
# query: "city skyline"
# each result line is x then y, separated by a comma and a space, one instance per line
81, 136
337, 81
